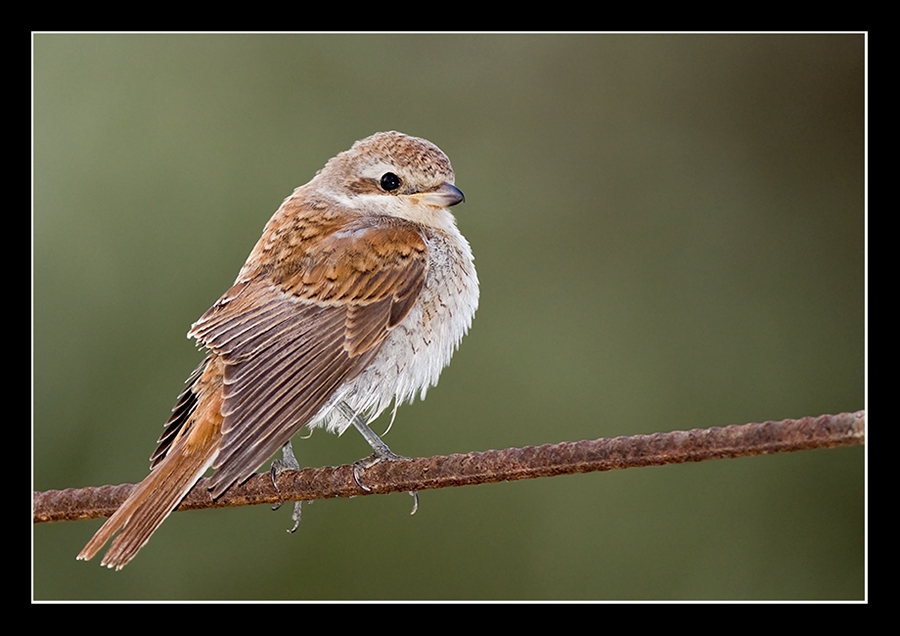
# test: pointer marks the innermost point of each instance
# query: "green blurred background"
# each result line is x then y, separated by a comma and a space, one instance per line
669, 233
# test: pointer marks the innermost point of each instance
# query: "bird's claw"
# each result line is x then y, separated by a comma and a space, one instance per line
288, 462
376, 458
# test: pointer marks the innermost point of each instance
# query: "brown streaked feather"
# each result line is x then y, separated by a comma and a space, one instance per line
181, 415
189, 451
299, 328
366, 261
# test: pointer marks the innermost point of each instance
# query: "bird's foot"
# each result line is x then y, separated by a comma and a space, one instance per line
287, 462
381, 455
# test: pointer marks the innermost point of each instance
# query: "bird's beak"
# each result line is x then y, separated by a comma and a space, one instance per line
444, 196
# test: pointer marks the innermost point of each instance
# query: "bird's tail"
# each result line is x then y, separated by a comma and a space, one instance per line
161, 491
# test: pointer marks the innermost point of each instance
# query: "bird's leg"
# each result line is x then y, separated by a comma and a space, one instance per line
381, 452
287, 462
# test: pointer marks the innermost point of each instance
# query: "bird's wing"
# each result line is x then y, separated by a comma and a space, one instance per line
293, 333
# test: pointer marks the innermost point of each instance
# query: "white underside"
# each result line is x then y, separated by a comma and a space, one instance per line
417, 350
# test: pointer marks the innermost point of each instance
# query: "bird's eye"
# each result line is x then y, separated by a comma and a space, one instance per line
390, 181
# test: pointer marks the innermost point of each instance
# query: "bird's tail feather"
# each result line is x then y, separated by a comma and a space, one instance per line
155, 497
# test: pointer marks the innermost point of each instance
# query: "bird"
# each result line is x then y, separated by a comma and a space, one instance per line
356, 296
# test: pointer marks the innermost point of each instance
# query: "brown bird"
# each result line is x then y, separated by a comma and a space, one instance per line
356, 295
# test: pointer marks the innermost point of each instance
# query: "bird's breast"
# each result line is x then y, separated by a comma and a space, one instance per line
416, 351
